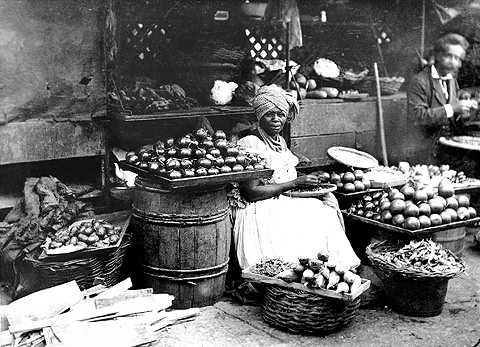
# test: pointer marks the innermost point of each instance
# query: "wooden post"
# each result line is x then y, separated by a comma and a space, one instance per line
380, 116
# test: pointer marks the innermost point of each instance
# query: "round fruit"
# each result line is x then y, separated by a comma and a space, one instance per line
237, 168
411, 210
398, 220
185, 153
424, 209
425, 221
386, 216
407, 191
241, 159
435, 219
207, 144
358, 174
225, 169
215, 152
412, 223
323, 176
169, 142
463, 201
201, 134
311, 84
446, 217
174, 174
184, 142
436, 205
452, 202
397, 206
232, 151
472, 212
230, 161
385, 205
213, 171
334, 178
348, 187
188, 173
359, 186
348, 177
204, 162
420, 195
221, 144
201, 171
446, 189
396, 195
367, 184
153, 166
220, 135
453, 214
429, 190
463, 213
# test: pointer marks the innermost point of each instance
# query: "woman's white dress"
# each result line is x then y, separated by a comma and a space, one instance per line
284, 227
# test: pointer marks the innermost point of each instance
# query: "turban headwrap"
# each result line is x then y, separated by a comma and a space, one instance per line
272, 96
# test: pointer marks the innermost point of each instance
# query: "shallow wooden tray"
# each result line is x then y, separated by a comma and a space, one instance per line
425, 232
121, 219
212, 180
323, 189
253, 277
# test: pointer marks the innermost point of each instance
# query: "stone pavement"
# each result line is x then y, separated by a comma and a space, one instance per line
229, 323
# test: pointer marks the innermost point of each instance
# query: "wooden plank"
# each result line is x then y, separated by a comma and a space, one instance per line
44, 304
247, 274
320, 119
125, 296
46, 140
315, 147
116, 289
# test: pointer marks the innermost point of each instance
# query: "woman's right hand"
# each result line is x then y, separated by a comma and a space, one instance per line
307, 181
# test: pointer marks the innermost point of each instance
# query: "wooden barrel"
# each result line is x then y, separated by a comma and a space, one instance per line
182, 240
452, 239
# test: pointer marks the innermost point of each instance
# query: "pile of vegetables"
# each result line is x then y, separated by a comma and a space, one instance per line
146, 99
95, 233
193, 155
318, 272
424, 256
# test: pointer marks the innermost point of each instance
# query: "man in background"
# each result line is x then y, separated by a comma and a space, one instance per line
434, 107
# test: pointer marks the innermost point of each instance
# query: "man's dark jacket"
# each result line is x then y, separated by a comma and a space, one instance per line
427, 116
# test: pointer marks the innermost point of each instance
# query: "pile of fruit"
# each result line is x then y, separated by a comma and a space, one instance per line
350, 181
95, 233
145, 99
415, 207
431, 174
319, 272
193, 155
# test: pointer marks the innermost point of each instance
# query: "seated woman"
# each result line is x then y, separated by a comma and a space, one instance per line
273, 225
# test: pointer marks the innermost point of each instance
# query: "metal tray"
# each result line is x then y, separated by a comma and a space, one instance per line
425, 232
214, 180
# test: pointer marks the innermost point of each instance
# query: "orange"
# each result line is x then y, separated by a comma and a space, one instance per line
436, 219
397, 206
419, 196
348, 177
463, 213
424, 221
348, 187
446, 217
407, 191
359, 186
411, 210
412, 223
463, 201
424, 209
452, 202
398, 220
453, 214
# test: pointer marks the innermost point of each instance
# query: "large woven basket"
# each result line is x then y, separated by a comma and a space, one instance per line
374, 254
388, 85
306, 313
84, 270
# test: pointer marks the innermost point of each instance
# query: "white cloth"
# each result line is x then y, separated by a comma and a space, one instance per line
286, 227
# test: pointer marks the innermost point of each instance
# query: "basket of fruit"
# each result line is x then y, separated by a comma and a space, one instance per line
85, 262
313, 296
415, 275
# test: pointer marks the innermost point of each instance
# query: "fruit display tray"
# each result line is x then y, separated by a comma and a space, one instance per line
121, 219
425, 232
253, 277
213, 180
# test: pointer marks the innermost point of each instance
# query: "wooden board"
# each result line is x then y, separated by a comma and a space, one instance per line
253, 277
425, 232
214, 180
121, 219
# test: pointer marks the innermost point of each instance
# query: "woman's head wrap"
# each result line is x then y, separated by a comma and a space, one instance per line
272, 96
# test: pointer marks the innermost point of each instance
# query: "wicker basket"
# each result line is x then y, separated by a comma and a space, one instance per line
410, 291
306, 313
388, 85
83, 271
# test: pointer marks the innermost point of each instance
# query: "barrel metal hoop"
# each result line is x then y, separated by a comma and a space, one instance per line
156, 272
179, 219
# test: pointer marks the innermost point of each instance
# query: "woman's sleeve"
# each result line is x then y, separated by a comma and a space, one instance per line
253, 144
